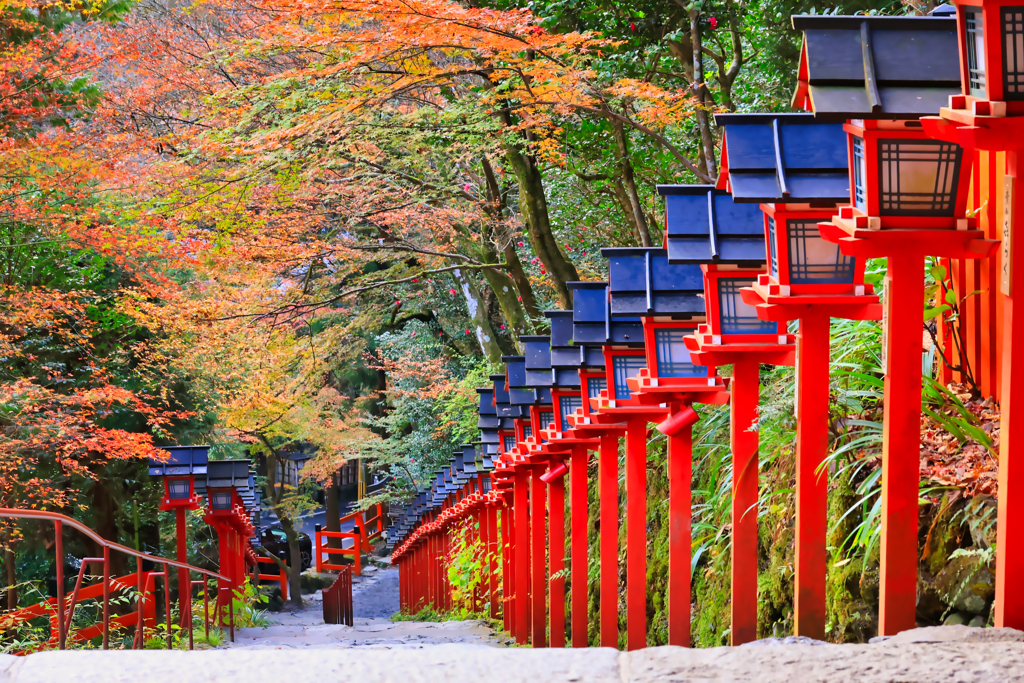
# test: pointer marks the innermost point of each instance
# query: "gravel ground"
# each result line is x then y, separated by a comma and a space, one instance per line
375, 599
376, 595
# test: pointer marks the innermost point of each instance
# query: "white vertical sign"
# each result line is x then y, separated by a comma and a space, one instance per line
1009, 183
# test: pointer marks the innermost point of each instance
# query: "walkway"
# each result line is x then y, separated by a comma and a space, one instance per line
946, 653
375, 595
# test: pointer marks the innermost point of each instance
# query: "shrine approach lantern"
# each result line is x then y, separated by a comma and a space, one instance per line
908, 196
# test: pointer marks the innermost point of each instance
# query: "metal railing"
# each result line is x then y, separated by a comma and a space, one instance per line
338, 599
62, 608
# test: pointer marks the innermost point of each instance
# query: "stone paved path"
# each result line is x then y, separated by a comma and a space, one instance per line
375, 598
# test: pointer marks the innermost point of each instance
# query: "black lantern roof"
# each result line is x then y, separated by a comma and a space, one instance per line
566, 356
183, 460
223, 474
503, 407
877, 67
519, 392
592, 323
538, 360
784, 158
487, 413
643, 282
705, 225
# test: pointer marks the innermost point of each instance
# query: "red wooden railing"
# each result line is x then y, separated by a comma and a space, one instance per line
321, 548
338, 599
367, 526
62, 608
281, 577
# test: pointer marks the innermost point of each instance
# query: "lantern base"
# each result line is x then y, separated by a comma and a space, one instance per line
975, 123
784, 308
707, 349
856, 238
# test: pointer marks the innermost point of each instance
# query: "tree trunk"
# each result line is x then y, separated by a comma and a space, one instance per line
478, 312
700, 90
516, 309
106, 525
622, 197
534, 205
629, 180
274, 493
295, 566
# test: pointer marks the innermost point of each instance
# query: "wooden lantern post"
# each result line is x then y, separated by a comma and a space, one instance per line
227, 514
621, 343
668, 298
571, 450
908, 198
988, 115
797, 170
705, 226
520, 394
179, 473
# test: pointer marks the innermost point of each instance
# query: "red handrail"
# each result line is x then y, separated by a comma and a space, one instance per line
66, 610
337, 601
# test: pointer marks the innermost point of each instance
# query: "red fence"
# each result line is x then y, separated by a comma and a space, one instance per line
62, 608
338, 599
281, 577
366, 526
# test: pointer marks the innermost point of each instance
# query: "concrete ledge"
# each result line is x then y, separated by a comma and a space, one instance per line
922, 656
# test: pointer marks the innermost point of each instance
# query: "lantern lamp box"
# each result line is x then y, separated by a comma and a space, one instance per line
727, 239
985, 113
179, 474
620, 338
670, 297
796, 168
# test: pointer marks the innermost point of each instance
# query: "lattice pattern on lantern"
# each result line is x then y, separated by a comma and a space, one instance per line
737, 317
860, 175
673, 357
595, 385
510, 443
527, 431
773, 256
1013, 52
812, 260
567, 405
917, 177
626, 367
975, 52
547, 419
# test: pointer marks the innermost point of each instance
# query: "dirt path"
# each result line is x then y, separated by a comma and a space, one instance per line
375, 598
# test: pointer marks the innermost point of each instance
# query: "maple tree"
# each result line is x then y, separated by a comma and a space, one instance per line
311, 224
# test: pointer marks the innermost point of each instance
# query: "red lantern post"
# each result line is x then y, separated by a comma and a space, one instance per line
797, 170
908, 199
705, 226
179, 473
